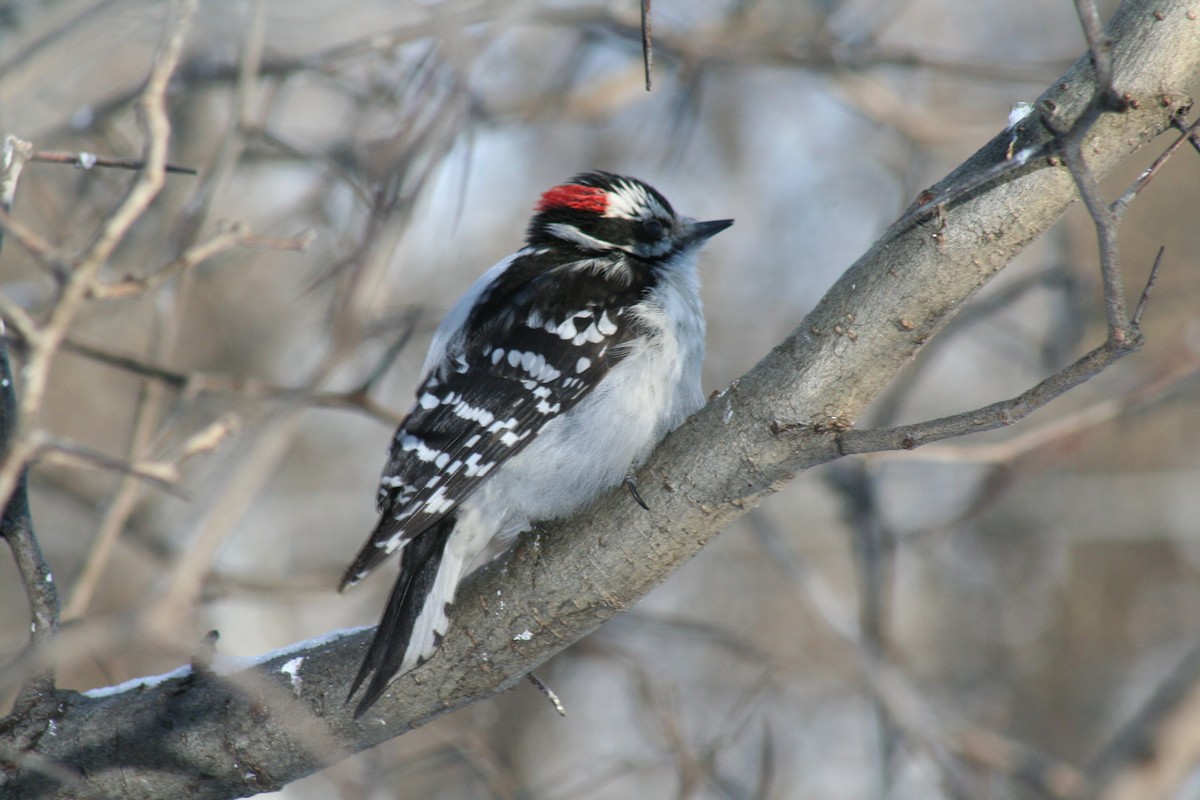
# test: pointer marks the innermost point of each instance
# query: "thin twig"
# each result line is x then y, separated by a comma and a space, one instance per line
85, 160
549, 693
1004, 412
1193, 136
16, 527
24, 326
16, 522
64, 452
1070, 146
647, 44
190, 252
990, 417
37, 246
357, 399
84, 269
230, 236
1121, 203
1136, 321
1100, 48
1124, 333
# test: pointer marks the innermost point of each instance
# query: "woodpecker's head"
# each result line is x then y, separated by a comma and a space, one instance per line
598, 212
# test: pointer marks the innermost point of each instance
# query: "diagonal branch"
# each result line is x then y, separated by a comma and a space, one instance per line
560, 583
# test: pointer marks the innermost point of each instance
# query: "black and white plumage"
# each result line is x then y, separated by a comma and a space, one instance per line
557, 371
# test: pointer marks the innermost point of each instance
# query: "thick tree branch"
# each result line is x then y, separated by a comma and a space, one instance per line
265, 727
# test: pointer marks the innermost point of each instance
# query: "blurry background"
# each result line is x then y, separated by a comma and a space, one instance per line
1037, 583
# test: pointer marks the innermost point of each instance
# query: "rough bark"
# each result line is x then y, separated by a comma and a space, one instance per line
204, 736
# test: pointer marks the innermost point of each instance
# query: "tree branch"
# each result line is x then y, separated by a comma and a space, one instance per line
262, 728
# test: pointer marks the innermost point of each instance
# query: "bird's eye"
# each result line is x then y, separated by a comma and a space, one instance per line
653, 229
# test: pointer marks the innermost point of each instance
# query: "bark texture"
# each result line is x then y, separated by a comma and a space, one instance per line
205, 736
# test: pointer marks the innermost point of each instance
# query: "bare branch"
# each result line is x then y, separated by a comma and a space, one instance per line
1135, 322
562, 582
1193, 136
990, 417
84, 160
647, 44
29, 239
16, 528
16, 522
1188, 133
249, 387
83, 269
55, 450
230, 236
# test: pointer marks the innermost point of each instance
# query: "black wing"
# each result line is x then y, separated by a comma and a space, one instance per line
519, 365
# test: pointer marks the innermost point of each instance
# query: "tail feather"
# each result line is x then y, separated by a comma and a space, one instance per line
370, 556
417, 587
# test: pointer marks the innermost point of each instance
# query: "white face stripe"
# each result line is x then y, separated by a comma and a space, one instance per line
572, 234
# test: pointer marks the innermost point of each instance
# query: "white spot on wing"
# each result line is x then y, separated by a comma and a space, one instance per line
474, 468
438, 502
533, 363
591, 334
410, 443
605, 325
481, 415
566, 329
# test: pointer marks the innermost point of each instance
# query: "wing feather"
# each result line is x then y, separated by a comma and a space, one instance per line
513, 370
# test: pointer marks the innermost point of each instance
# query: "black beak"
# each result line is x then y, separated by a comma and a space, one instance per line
706, 230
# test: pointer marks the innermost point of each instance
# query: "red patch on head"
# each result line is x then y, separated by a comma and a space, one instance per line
572, 195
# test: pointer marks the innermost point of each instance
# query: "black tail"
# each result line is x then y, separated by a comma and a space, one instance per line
419, 562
